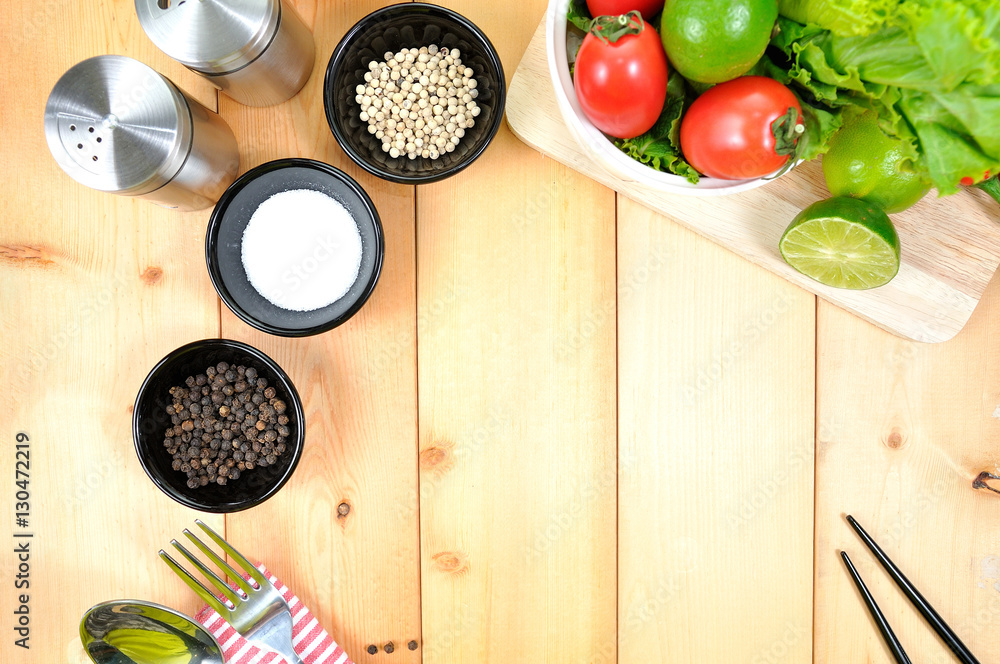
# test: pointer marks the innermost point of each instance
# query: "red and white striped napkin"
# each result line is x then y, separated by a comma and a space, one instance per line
311, 642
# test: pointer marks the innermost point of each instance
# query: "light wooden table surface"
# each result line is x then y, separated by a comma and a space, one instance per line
568, 429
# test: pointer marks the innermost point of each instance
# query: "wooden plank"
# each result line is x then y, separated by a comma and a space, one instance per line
515, 264
715, 452
97, 288
903, 431
359, 573
951, 246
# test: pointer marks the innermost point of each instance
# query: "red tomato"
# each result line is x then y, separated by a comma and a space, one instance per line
727, 133
622, 86
648, 8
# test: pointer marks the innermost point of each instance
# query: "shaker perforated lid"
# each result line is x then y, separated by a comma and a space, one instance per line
116, 125
210, 36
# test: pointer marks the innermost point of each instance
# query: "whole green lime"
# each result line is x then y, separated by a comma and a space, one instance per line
865, 163
711, 41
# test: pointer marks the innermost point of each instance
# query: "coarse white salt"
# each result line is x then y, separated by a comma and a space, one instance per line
302, 250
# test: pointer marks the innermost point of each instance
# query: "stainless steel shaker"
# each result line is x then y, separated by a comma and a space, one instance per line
116, 125
259, 52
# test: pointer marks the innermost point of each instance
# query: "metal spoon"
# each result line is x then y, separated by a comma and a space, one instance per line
138, 632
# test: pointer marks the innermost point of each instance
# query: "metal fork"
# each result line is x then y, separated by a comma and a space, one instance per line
260, 614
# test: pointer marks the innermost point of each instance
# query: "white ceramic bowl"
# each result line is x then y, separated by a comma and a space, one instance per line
596, 144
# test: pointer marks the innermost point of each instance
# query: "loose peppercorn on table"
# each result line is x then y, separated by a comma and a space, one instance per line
563, 428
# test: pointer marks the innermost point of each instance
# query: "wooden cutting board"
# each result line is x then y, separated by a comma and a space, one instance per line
950, 246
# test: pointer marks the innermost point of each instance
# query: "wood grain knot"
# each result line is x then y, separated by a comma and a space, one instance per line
435, 457
389, 647
372, 649
25, 256
895, 441
412, 645
343, 509
151, 275
451, 562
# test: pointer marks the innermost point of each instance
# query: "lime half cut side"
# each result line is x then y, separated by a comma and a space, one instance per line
843, 242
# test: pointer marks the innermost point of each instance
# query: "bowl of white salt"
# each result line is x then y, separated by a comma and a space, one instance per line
294, 247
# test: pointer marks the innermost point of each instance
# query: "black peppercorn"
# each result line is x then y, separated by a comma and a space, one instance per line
223, 423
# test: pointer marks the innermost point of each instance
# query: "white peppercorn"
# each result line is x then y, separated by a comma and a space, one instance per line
418, 102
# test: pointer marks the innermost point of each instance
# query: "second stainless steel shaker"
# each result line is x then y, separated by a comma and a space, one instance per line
116, 125
259, 52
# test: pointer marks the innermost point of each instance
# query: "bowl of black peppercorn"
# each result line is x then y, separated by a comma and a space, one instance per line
218, 426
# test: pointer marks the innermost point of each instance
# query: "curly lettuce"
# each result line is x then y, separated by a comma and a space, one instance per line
931, 71
841, 17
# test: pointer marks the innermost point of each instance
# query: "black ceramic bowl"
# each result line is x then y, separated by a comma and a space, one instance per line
411, 25
150, 422
224, 243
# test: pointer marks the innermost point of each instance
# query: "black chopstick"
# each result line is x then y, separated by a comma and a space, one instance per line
883, 625
926, 610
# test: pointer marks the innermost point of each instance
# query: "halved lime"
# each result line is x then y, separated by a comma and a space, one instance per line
843, 242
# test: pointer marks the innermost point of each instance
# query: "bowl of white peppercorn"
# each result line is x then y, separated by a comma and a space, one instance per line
414, 93
218, 426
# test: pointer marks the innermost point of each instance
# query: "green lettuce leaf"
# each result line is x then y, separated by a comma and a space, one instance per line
578, 14
660, 147
931, 72
841, 17
959, 39
820, 125
949, 149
